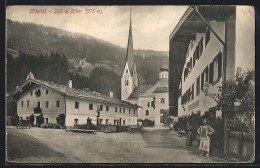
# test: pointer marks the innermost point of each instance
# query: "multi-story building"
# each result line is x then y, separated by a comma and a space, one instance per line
153, 99
203, 53
78, 106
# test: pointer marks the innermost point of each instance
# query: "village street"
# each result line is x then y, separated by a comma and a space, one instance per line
142, 146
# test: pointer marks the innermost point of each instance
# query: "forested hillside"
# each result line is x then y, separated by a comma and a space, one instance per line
56, 55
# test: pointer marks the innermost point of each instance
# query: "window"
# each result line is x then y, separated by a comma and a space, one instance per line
217, 67
147, 112
123, 110
47, 91
194, 59
58, 103
120, 109
21, 103
161, 119
101, 121
198, 86
107, 108
200, 47
206, 74
123, 122
126, 82
101, 107
134, 111
38, 104
28, 103
162, 100
129, 111
76, 122
152, 104
46, 120
115, 122
148, 104
76, 105
106, 121
115, 109
202, 81
161, 111
207, 36
192, 92
90, 107
211, 72
46, 104
126, 71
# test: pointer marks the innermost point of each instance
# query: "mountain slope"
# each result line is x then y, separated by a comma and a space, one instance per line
84, 52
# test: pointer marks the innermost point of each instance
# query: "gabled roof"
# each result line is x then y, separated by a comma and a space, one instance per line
70, 92
139, 90
160, 83
161, 90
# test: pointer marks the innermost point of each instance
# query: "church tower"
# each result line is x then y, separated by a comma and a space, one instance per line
129, 78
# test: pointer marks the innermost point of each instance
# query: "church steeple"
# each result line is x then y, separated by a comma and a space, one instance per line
130, 48
129, 78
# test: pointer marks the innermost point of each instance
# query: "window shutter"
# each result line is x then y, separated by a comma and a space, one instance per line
202, 80
219, 65
211, 72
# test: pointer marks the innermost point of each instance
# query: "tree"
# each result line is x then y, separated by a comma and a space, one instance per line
237, 98
166, 118
39, 120
61, 119
31, 120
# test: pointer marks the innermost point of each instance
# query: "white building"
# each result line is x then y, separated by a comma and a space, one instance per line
203, 52
152, 98
77, 105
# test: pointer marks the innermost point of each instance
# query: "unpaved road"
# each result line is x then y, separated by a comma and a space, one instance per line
59, 146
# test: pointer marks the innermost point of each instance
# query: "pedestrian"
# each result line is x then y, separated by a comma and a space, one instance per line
205, 131
189, 135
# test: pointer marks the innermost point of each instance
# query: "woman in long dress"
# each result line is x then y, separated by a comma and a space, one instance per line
204, 132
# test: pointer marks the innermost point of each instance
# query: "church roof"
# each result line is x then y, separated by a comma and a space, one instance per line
160, 83
130, 49
139, 90
161, 90
67, 91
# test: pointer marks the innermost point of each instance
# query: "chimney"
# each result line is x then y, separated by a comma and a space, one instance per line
70, 83
111, 94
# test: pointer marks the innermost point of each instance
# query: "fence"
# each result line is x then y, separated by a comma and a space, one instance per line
240, 145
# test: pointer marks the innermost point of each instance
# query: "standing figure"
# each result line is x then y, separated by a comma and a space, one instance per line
204, 132
189, 135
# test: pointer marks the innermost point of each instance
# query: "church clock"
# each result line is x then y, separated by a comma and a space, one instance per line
126, 76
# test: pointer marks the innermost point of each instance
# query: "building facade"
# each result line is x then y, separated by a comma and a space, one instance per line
202, 55
153, 99
77, 105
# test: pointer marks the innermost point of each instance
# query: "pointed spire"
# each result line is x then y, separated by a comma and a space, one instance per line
130, 49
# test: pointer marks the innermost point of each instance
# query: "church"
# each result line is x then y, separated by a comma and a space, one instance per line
152, 98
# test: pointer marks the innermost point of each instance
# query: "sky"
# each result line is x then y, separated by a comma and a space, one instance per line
151, 24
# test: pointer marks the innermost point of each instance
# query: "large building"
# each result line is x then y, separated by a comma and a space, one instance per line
78, 106
153, 99
203, 53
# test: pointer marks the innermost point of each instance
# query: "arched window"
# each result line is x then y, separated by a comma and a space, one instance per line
126, 82
147, 112
126, 71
